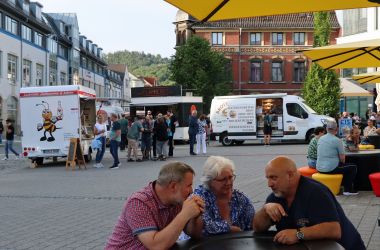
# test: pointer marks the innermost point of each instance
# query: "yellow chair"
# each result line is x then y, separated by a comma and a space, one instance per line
332, 181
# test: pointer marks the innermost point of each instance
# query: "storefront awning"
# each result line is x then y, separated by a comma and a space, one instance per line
349, 88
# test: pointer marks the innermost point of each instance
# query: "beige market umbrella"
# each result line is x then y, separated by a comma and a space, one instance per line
361, 54
213, 10
348, 89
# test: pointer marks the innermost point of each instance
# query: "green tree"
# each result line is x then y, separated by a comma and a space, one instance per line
321, 89
199, 69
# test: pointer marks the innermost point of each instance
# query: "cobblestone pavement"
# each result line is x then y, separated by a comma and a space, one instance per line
51, 208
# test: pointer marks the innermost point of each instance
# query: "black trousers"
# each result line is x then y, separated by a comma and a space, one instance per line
154, 139
171, 147
123, 142
192, 142
349, 173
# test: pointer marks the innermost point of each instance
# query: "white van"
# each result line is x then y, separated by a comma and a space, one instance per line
51, 115
235, 119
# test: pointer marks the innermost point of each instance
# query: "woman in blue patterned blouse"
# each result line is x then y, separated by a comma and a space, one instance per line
227, 209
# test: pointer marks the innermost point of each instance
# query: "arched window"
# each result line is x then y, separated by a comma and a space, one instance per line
277, 70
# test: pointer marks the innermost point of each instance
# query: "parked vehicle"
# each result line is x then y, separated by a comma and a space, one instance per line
51, 115
238, 118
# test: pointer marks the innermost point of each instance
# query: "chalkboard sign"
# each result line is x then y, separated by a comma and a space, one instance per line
74, 154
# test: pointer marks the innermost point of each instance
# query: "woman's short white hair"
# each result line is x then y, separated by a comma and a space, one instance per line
213, 167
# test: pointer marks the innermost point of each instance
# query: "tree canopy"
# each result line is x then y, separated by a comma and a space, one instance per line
200, 70
321, 89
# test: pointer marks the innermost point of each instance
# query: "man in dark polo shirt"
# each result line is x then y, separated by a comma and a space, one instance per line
303, 209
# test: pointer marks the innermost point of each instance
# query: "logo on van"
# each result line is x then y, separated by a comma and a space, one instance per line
49, 120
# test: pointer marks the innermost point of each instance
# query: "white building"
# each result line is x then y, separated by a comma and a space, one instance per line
359, 25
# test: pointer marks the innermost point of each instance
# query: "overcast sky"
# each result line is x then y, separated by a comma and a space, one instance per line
134, 25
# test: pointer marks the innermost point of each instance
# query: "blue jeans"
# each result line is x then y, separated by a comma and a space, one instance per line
114, 148
9, 146
1, 138
311, 163
100, 152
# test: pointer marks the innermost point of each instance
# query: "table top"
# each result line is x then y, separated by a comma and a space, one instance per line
250, 240
364, 152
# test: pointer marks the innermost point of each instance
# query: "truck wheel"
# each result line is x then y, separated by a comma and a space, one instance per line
88, 157
240, 142
226, 141
39, 161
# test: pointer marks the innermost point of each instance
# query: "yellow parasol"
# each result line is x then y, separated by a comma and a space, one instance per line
213, 10
362, 54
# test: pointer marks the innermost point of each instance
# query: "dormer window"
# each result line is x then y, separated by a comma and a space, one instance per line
61, 27
25, 6
13, 2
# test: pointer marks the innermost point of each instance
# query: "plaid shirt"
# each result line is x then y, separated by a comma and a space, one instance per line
142, 212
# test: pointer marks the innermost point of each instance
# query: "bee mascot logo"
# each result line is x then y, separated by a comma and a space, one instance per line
49, 120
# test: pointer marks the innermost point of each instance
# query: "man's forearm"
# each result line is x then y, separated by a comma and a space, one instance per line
325, 230
261, 221
166, 238
194, 227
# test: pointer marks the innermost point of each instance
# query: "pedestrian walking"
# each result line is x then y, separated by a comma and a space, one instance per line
193, 129
10, 133
133, 138
100, 129
124, 130
201, 135
115, 138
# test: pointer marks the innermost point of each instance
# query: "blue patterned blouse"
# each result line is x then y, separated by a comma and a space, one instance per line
242, 212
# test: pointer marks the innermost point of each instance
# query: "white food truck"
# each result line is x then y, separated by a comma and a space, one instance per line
235, 119
51, 115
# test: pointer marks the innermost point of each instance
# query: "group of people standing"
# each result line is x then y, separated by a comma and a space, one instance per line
156, 135
167, 210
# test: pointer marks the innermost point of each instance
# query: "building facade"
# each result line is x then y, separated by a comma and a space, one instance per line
262, 50
44, 49
359, 25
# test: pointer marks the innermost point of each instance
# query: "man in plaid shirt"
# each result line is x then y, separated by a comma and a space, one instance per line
155, 216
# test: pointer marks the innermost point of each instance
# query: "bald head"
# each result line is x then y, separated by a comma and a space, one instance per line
282, 176
283, 164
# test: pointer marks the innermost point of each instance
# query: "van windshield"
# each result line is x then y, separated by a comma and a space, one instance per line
310, 110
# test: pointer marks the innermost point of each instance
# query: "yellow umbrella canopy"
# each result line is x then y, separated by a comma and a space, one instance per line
373, 77
213, 10
361, 54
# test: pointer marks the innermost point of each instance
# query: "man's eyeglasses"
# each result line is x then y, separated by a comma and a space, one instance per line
226, 179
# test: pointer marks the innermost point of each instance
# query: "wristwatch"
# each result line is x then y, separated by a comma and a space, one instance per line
300, 236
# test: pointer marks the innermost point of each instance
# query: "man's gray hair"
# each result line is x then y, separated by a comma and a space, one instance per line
213, 167
174, 171
331, 126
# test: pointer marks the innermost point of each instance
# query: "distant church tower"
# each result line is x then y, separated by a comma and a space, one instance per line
183, 31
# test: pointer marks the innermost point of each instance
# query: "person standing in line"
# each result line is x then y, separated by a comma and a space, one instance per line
10, 133
124, 130
100, 129
267, 128
115, 138
1, 131
161, 131
201, 135
193, 129
172, 126
133, 138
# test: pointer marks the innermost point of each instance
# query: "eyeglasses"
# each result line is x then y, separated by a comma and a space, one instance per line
226, 179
